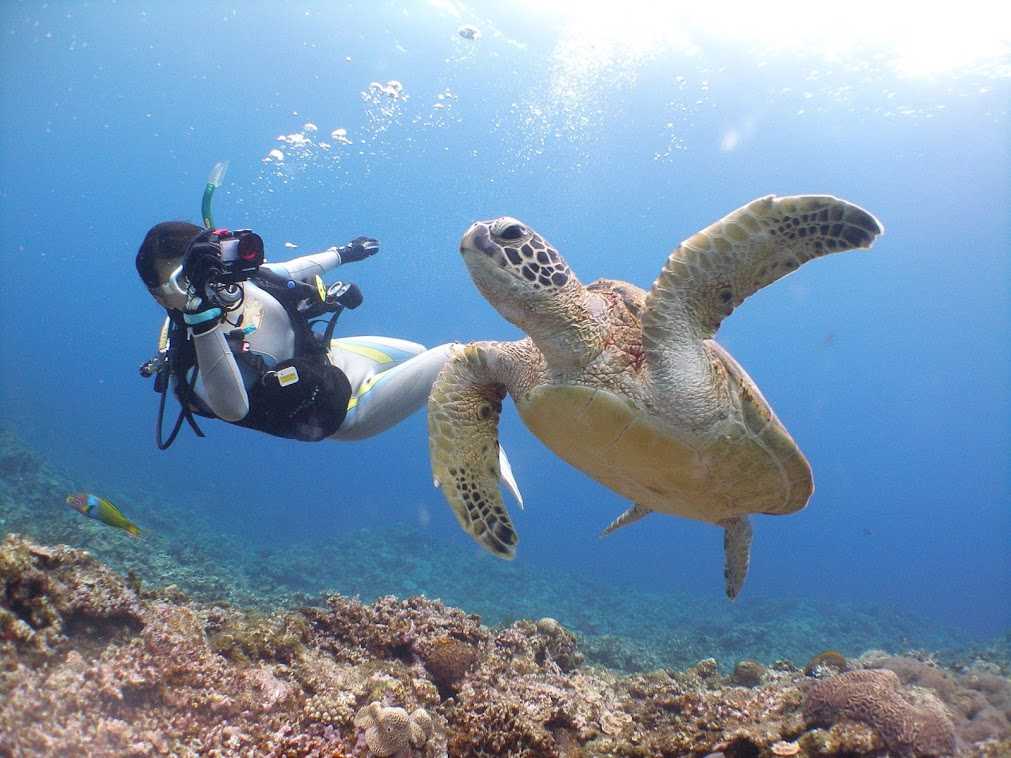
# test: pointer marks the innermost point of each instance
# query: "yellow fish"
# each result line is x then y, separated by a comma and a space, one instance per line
102, 510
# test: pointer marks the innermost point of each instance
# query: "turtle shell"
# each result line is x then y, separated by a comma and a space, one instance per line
744, 463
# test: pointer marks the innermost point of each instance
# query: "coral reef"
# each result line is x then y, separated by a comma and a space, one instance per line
978, 695
748, 673
47, 592
91, 666
448, 660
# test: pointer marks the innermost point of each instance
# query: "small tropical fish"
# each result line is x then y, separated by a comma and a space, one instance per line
102, 510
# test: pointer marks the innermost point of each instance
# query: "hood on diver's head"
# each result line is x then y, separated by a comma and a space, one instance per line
160, 254
162, 250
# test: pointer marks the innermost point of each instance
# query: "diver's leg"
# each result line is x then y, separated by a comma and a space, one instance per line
360, 358
385, 392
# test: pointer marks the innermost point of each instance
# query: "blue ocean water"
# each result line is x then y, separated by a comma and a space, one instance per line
614, 137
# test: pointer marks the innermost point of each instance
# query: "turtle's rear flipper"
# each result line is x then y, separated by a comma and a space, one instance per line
463, 414
627, 517
737, 552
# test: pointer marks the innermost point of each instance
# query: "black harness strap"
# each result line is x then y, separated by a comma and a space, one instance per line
289, 294
181, 358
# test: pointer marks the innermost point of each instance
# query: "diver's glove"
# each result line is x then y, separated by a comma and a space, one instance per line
200, 316
202, 260
358, 249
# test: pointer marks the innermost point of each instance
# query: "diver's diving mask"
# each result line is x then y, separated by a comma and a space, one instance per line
172, 293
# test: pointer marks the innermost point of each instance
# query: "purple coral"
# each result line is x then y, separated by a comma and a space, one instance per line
872, 697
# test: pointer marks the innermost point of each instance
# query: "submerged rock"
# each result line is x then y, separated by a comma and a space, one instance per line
48, 593
748, 673
828, 663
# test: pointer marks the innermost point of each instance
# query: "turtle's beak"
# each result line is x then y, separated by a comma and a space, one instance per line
477, 239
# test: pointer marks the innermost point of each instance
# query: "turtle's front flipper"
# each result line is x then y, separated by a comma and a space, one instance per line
737, 553
713, 271
463, 414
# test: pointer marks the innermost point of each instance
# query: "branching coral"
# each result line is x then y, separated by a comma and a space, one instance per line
390, 627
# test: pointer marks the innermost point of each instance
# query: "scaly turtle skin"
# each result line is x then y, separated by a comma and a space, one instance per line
630, 387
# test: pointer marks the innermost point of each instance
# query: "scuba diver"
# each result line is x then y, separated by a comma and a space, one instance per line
239, 342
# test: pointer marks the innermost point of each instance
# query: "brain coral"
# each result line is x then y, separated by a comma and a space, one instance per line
387, 730
390, 730
872, 697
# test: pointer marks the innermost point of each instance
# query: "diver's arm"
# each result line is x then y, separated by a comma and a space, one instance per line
303, 269
224, 390
226, 393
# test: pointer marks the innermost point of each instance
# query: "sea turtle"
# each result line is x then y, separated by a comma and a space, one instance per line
630, 387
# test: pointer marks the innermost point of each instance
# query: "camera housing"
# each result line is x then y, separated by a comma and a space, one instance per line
241, 254
221, 258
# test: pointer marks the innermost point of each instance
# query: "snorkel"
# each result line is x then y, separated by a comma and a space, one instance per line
213, 182
172, 293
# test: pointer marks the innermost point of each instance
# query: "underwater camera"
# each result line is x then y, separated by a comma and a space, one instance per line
241, 255
218, 259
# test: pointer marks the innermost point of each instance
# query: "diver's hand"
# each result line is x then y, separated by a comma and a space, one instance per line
198, 315
202, 260
358, 249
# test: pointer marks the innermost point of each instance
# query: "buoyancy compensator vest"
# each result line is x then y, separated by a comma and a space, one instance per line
303, 398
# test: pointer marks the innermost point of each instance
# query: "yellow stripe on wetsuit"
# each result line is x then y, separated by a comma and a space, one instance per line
368, 384
371, 353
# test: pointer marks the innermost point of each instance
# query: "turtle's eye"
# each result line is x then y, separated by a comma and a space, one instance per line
513, 232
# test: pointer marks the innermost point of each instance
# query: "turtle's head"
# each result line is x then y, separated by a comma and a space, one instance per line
517, 270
